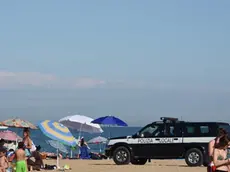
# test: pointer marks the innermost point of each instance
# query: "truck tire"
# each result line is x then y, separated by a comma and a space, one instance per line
121, 156
194, 157
139, 161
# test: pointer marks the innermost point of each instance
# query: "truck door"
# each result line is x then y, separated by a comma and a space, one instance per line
146, 141
170, 144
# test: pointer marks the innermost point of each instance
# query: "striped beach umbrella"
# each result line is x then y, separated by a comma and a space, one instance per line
17, 123
57, 131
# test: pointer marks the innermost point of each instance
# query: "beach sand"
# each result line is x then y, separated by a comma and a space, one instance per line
108, 165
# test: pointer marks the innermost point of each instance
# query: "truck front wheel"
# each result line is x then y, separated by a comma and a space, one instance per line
121, 155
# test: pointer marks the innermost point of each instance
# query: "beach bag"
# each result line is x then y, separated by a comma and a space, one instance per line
33, 148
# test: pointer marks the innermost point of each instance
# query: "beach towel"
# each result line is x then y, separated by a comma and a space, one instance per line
27, 152
21, 166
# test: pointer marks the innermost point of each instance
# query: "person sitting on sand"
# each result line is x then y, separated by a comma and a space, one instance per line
38, 163
2, 143
3, 160
38, 158
10, 155
220, 159
20, 156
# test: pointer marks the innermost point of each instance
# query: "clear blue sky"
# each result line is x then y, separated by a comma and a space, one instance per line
155, 57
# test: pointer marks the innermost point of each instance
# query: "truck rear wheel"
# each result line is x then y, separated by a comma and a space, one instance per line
121, 155
194, 157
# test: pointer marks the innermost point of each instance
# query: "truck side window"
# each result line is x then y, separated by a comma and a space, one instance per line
191, 131
173, 131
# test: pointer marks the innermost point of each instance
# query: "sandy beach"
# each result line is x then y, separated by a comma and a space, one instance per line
108, 165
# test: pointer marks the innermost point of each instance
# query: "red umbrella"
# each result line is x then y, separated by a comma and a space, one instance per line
9, 136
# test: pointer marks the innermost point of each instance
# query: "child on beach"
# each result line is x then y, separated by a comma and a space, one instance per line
21, 158
3, 160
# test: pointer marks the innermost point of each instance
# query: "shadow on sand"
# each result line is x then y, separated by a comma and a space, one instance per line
151, 164
103, 164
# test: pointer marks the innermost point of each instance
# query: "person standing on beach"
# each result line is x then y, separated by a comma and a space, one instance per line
3, 160
211, 147
27, 141
20, 156
220, 158
83, 143
215, 141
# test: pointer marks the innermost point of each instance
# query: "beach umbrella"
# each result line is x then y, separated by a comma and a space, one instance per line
98, 140
57, 145
110, 121
58, 132
9, 136
17, 123
81, 123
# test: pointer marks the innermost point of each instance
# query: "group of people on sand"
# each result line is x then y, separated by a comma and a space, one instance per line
22, 155
218, 153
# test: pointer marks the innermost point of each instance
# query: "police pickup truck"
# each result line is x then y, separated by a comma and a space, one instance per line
168, 138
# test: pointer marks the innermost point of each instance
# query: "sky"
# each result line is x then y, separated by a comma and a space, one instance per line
138, 60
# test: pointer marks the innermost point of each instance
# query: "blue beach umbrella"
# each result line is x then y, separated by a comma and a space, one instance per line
57, 131
109, 120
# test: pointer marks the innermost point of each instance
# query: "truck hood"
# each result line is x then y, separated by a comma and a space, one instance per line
115, 138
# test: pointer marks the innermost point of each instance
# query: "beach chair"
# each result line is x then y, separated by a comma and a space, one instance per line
84, 154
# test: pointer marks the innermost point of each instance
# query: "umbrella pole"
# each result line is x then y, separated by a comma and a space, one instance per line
71, 153
79, 137
58, 159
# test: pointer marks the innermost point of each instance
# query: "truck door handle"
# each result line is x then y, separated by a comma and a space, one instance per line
157, 139
175, 139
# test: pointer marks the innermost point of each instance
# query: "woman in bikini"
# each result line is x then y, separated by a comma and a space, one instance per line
27, 140
220, 159
27, 146
211, 147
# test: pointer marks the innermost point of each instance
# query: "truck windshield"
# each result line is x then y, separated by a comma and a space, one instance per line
151, 130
